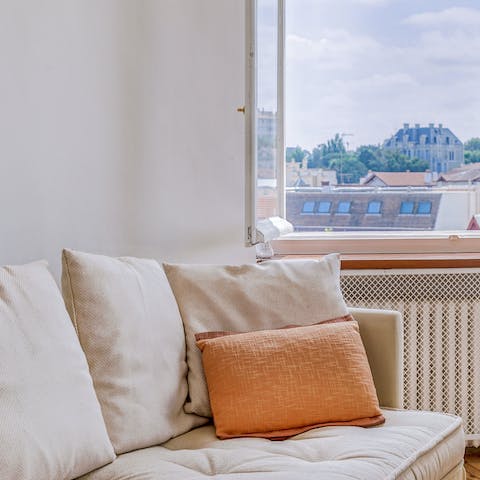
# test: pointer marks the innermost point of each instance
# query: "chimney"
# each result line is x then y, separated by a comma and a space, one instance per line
417, 125
428, 177
440, 125
431, 125
406, 126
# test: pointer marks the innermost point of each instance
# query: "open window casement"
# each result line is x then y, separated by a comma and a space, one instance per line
265, 145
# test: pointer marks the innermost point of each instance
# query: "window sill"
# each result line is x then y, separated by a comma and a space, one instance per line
400, 261
375, 243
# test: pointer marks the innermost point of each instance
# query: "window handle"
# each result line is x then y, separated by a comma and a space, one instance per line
241, 109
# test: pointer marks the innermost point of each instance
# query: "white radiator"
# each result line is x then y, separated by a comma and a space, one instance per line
441, 313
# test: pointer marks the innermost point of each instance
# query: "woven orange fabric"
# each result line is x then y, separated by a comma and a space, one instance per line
278, 383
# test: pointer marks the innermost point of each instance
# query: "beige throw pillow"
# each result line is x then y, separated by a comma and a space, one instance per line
130, 329
251, 297
51, 426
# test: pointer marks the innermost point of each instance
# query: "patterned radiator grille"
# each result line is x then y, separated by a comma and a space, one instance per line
441, 313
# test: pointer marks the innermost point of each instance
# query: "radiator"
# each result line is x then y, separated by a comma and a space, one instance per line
441, 313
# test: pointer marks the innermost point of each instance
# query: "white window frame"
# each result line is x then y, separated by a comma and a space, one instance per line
308, 243
250, 117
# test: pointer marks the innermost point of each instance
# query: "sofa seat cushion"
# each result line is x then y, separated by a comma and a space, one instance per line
410, 445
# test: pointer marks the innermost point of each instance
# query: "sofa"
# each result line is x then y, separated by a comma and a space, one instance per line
108, 390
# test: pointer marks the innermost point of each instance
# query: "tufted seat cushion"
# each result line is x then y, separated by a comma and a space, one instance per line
410, 445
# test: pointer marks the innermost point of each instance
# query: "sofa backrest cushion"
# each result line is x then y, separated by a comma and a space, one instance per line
251, 297
129, 326
51, 425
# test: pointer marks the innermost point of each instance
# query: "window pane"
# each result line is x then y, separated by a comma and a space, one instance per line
266, 108
406, 207
424, 208
308, 207
374, 207
324, 207
343, 207
375, 116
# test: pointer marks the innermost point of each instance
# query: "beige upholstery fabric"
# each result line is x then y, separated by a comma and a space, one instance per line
409, 446
251, 297
51, 426
382, 336
131, 331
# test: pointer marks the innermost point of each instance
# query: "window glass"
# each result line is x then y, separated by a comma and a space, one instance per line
266, 109
324, 207
343, 207
374, 207
406, 207
346, 60
424, 208
308, 207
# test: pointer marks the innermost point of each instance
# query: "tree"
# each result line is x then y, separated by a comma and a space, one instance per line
323, 154
397, 162
472, 150
371, 157
349, 169
317, 158
297, 154
472, 156
473, 144
335, 145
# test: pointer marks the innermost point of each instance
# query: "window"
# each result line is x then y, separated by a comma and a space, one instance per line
374, 207
343, 207
317, 69
324, 207
406, 208
308, 207
424, 208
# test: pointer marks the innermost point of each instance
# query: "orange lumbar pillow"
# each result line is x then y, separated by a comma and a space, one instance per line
278, 383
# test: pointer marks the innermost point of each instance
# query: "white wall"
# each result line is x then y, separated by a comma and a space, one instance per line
118, 129
457, 207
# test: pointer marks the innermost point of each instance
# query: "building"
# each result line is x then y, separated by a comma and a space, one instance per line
266, 147
437, 145
464, 175
399, 179
382, 209
299, 175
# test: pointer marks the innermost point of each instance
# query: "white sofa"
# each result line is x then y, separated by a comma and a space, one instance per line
41, 359
410, 445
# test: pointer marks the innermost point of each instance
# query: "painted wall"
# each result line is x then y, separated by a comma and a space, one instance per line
118, 129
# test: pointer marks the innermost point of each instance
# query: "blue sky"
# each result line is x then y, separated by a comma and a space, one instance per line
365, 67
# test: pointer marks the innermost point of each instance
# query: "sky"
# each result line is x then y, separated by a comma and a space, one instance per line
366, 67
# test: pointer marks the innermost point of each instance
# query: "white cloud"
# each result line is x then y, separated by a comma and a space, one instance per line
347, 81
372, 3
455, 16
336, 49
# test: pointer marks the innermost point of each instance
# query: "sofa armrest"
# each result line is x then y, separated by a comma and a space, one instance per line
382, 335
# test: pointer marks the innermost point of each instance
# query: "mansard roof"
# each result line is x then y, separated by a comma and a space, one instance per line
414, 134
355, 216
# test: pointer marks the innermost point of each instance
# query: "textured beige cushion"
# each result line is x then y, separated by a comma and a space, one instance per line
410, 445
130, 329
251, 297
51, 426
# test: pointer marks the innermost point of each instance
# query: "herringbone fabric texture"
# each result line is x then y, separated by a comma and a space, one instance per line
129, 326
51, 426
251, 297
278, 383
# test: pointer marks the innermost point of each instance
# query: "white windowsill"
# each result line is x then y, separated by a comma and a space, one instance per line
318, 243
